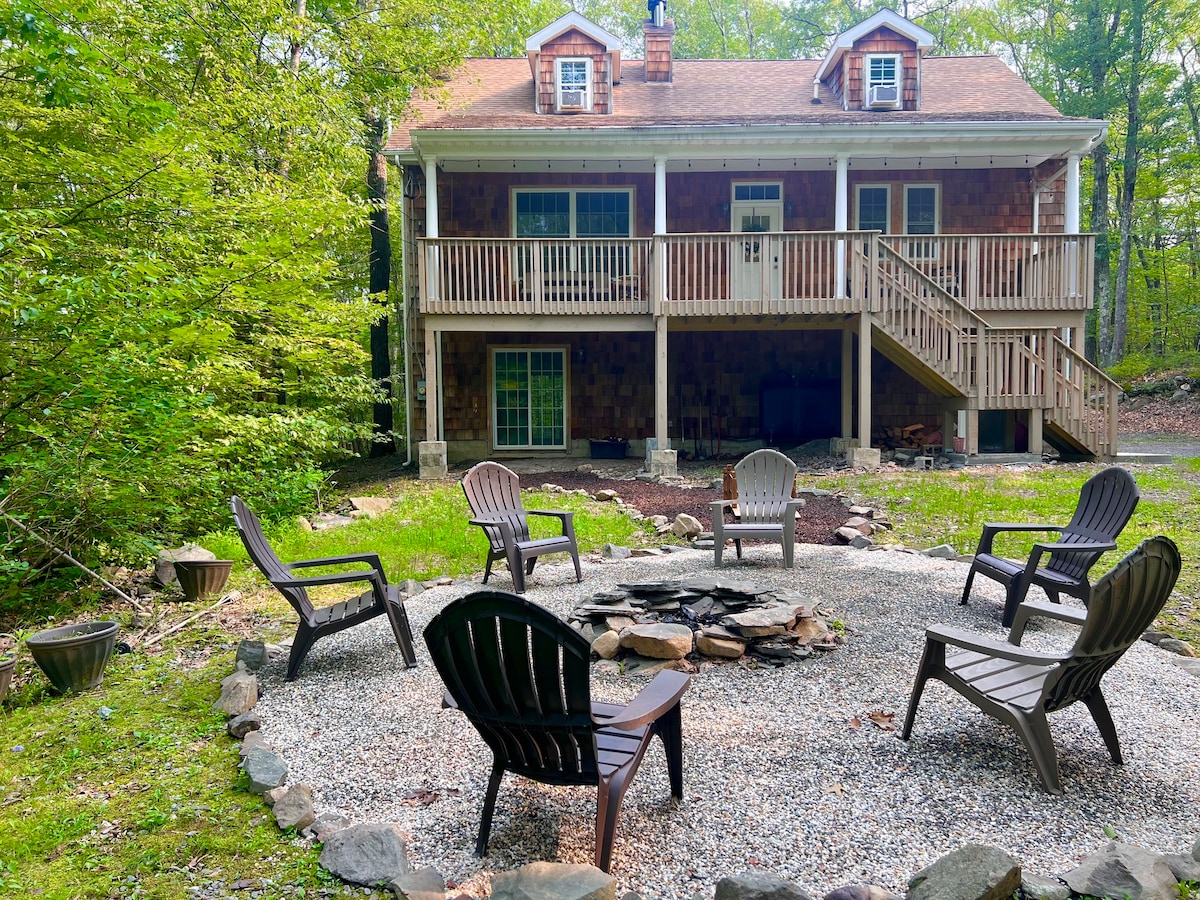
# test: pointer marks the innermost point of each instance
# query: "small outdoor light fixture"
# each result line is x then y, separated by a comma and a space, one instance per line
580, 355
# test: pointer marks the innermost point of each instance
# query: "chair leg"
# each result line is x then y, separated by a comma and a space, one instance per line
967, 589
529, 564
488, 570
1099, 710
669, 728
789, 548
718, 548
516, 568
398, 617
738, 545
301, 644
489, 807
933, 663
608, 810
1017, 589
1034, 731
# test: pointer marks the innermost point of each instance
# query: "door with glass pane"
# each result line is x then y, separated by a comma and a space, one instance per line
529, 399
755, 263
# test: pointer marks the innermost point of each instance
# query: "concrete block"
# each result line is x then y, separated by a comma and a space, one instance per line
431, 457
839, 446
923, 462
863, 457
664, 463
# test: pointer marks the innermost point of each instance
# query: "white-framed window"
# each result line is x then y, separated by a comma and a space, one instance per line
757, 190
881, 80
573, 84
922, 215
529, 398
872, 209
596, 213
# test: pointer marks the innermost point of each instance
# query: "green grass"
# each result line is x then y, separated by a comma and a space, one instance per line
148, 801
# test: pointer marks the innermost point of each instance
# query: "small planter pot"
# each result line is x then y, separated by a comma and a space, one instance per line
7, 662
201, 578
74, 656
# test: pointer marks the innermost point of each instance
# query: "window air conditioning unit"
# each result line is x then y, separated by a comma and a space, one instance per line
571, 99
883, 96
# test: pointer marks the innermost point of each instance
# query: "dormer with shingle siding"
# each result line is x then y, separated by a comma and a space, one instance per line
876, 65
575, 64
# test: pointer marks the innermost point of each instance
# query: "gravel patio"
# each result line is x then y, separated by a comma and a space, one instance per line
777, 774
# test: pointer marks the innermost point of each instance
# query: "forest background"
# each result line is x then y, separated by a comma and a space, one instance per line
197, 295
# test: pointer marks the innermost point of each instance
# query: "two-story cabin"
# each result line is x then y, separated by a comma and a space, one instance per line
714, 255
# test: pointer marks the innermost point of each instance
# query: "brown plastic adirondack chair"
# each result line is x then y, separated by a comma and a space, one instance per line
1019, 687
316, 622
521, 676
494, 494
1106, 502
765, 481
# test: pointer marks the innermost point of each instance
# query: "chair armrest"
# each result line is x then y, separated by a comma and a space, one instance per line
654, 699
969, 640
718, 506
991, 529
555, 513
371, 559
1075, 546
371, 575
1030, 608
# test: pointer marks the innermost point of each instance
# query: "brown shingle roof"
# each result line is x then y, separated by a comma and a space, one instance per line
498, 93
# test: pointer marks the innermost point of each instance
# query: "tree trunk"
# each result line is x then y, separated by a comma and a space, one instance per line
380, 263
1099, 225
1129, 175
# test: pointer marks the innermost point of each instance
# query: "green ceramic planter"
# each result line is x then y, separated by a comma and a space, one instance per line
74, 656
200, 578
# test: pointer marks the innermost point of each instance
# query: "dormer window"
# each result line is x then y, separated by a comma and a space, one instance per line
574, 85
881, 77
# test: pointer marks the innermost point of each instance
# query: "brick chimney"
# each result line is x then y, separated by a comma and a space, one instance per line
659, 40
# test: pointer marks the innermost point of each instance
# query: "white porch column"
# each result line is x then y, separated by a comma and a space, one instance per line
1072, 203
841, 216
662, 460
660, 195
431, 197
431, 452
864, 380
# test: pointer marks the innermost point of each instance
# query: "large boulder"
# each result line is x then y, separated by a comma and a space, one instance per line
265, 768
368, 854
658, 641
758, 886
560, 881
164, 566
1126, 871
973, 872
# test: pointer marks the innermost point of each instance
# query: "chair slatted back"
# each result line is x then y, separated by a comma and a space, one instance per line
1124, 602
494, 492
1106, 503
264, 557
765, 481
520, 675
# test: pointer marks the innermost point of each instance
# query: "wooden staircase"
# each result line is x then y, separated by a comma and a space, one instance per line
955, 352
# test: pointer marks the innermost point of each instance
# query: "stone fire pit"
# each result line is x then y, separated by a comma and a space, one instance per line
659, 624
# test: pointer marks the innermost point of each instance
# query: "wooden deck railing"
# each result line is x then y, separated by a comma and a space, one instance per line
1024, 272
1084, 400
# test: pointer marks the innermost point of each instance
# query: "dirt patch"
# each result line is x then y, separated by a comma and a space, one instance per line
815, 525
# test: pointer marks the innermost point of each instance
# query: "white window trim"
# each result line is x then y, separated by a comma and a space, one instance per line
573, 192
937, 203
899, 60
734, 185
506, 348
858, 188
589, 79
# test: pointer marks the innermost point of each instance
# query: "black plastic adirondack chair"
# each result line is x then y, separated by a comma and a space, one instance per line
766, 507
316, 622
1106, 503
521, 676
494, 494
1019, 687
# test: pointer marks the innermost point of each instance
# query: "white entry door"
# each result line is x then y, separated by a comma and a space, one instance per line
755, 265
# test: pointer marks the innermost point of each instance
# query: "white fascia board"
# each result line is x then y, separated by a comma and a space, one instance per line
717, 141
565, 23
885, 17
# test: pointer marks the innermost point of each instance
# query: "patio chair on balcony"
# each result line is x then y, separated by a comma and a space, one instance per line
1106, 502
521, 676
316, 622
764, 507
494, 494
1019, 686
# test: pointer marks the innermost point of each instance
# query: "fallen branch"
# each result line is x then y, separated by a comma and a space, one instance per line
232, 595
67, 556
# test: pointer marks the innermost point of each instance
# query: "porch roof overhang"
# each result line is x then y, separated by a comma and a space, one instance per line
741, 147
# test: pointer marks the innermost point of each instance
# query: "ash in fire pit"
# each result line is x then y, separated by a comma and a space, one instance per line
702, 617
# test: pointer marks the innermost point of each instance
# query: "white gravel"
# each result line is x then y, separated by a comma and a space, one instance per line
776, 775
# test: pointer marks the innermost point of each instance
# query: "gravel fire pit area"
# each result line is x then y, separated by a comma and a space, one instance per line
794, 770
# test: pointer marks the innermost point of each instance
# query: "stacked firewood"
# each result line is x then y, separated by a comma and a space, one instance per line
908, 437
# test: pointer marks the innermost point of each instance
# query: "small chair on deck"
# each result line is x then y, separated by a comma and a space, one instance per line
1019, 687
316, 622
1106, 503
521, 676
494, 495
766, 508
